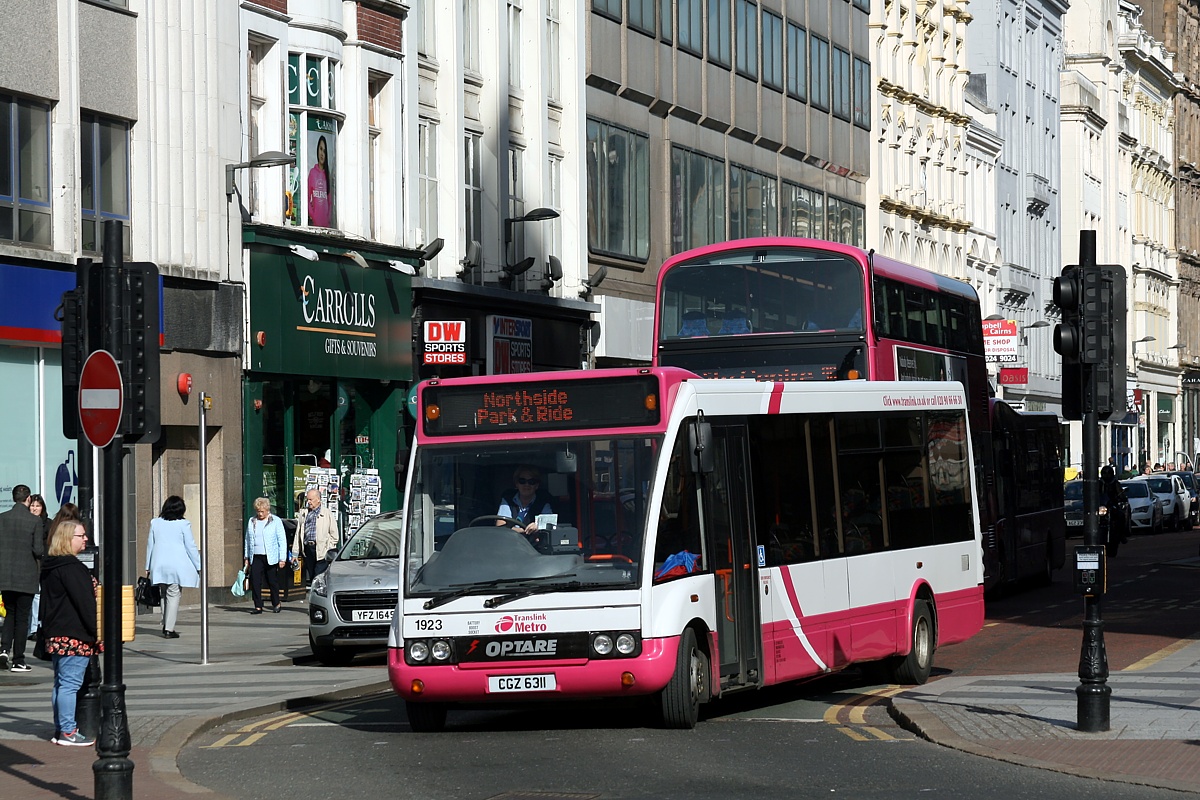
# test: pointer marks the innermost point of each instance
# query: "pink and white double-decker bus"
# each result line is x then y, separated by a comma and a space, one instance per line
649, 533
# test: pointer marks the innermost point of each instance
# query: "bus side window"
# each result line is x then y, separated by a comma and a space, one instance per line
679, 519
783, 518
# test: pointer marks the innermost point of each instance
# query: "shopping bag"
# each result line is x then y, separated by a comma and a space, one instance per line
239, 584
147, 594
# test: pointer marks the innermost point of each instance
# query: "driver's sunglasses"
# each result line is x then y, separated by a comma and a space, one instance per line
528, 481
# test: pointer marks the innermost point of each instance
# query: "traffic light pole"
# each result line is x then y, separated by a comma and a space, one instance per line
113, 770
1093, 692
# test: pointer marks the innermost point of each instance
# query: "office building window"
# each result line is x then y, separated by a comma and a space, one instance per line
553, 59
427, 178
803, 212
473, 189
427, 32
746, 25
797, 62
841, 84
618, 164
641, 16
697, 200
818, 72
609, 8
666, 19
103, 178
470, 34
772, 50
514, 43
24, 171
753, 204
845, 222
862, 93
691, 26
720, 33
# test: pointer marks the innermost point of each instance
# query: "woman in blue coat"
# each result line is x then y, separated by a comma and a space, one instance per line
172, 559
266, 553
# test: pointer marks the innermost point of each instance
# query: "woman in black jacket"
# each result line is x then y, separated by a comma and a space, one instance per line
68, 624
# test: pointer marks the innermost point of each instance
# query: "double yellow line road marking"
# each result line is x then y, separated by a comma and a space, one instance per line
853, 712
249, 734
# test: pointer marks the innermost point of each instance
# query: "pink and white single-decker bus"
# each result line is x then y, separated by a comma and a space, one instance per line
649, 533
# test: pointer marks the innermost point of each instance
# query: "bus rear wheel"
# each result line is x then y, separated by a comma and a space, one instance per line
682, 696
425, 717
914, 668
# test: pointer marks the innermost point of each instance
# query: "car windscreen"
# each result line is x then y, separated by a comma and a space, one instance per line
377, 538
1136, 489
1073, 490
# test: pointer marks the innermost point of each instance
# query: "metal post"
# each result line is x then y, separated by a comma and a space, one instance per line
113, 771
203, 530
1093, 693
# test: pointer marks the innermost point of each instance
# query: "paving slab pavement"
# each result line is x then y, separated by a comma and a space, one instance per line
256, 665
1154, 716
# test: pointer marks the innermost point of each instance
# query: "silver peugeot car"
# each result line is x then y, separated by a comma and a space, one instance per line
351, 603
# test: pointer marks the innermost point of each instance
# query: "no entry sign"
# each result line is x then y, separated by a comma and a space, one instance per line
101, 398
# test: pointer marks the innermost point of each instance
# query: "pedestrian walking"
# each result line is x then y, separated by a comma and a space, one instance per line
21, 547
172, 559
265, 553
316, 534
69, 622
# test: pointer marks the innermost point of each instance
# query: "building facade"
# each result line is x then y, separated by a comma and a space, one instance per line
714, 121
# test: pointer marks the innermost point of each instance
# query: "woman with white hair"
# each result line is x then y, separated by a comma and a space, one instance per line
265, 553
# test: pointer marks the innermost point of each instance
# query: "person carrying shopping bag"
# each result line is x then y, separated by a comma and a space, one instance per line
265, 553
172, 559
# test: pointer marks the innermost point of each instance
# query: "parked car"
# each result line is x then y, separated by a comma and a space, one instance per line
1073, 515
1193, 487
1177, 510
1145, 507
351, 603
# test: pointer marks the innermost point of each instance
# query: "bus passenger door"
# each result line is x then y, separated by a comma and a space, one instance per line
727, 511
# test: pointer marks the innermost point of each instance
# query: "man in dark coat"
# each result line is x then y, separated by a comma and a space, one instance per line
21, 550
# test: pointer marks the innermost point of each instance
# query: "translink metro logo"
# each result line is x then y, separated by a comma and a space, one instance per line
522, 623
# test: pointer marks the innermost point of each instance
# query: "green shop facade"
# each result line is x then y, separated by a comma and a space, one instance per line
329, 366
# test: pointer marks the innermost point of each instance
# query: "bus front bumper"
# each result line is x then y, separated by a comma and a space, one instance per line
579, 678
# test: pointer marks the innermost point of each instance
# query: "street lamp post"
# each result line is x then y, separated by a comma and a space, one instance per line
536, 215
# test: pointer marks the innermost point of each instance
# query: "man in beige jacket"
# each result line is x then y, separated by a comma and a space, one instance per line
316, 534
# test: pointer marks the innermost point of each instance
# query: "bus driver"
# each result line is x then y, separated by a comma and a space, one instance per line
525, 500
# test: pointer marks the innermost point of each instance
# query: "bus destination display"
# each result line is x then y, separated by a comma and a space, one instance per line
541, 406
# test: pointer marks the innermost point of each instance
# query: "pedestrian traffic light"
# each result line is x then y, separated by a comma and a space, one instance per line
140, 352
1068, 339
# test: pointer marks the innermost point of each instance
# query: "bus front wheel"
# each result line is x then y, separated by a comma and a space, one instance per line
681, 697
915, 667
425, 717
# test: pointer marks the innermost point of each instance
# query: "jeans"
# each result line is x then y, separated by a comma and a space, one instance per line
34, 624
69, 672
16, 624
170, 604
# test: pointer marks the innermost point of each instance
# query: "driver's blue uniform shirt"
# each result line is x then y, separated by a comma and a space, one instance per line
511, 507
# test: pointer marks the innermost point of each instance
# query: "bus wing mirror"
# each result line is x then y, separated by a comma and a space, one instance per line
700, 446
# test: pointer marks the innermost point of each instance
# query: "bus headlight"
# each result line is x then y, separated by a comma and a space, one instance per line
441, 650
602, 643
418, 652
626, 644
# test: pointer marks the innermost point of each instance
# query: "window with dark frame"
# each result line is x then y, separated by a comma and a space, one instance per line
25, 171
772, 50
608, 8
720, 34
841, 84
746, 27
642, 15
104, 178
691, 26
618, 164
797, 62
862, 93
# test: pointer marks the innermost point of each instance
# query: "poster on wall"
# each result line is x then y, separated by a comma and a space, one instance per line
320, 194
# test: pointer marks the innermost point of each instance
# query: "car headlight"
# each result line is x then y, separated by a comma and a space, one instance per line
320, 585
1102, 510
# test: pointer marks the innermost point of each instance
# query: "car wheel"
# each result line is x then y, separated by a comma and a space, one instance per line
331, 656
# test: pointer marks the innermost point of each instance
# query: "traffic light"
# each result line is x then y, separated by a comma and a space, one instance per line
1108, 337
1068, 339
140, 352
74, 352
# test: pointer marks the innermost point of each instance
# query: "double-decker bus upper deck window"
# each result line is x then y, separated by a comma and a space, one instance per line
762, 291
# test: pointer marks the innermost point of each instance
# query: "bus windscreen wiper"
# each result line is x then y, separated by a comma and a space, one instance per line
465, 589
543, 588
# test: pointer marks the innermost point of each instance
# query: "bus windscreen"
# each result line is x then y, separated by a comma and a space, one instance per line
548, 405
